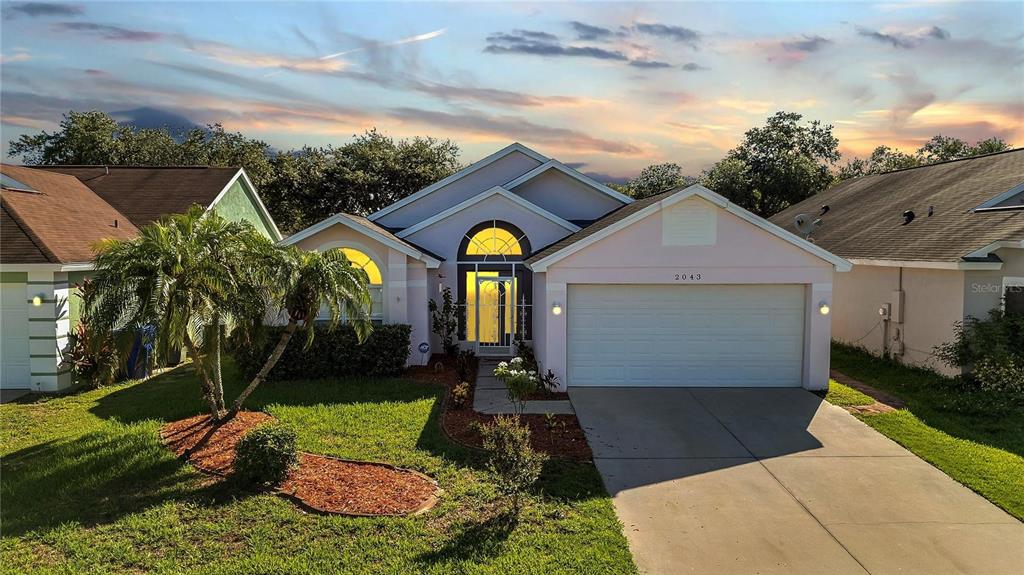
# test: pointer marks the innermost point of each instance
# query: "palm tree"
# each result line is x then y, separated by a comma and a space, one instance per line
191, 275
305, 282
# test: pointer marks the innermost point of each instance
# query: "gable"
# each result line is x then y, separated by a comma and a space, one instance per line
568, 197
236, 204
495, 172
444, 236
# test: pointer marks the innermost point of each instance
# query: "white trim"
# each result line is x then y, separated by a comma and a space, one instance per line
250, 190
495, 191
556, 165
985, 251
992, 204
1009, 281
931, 265
342, 219
514, 147
841, 265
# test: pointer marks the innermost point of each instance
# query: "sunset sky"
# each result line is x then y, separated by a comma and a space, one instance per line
608, 87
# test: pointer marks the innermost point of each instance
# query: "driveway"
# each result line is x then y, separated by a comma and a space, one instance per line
720, 481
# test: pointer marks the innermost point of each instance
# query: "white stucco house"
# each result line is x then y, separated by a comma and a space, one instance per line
930, 247
680, 289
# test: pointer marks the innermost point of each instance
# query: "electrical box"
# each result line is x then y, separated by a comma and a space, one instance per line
885, 312
897, 305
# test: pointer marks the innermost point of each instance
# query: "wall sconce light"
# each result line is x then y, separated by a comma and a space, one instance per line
823, 307
556, 308
37, 300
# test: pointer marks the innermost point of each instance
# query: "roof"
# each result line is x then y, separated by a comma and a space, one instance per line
144, 194
58, 222
864, 220
370, 229
640, 209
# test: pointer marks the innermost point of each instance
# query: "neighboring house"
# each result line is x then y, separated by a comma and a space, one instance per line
961, 255
52, 218
681, 289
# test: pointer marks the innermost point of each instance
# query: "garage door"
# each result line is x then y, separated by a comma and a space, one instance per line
15, 365
708, 335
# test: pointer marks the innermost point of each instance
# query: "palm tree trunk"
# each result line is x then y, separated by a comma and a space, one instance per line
197, 360
218, 379
286, 336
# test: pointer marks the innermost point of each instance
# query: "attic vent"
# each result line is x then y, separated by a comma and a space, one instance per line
690, 222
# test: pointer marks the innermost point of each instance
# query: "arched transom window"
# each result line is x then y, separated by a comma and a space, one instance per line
362, 261
494, 241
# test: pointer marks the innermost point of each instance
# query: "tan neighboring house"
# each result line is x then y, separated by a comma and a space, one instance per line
51, 219
959, 256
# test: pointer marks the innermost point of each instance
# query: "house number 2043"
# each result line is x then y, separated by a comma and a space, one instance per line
687, 277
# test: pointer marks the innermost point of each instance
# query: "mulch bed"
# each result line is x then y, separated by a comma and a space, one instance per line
563, 440
319, 483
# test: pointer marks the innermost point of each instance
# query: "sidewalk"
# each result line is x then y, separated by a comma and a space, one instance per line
491, 395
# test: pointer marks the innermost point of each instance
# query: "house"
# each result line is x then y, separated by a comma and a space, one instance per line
53, 216
930, 245
680, 289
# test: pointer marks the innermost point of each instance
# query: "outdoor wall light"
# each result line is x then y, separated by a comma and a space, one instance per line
556, 308
823, 307
37, 300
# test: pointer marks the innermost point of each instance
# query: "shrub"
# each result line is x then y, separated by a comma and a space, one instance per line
519, 381
334, 353
513, 463
525, 352
265, 454
460, 394
445, 321
464, 364
1003, 375
992, 348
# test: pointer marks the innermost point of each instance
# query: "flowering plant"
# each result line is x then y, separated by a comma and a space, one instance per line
520, 381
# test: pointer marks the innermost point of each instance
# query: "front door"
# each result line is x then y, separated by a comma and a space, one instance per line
495, 315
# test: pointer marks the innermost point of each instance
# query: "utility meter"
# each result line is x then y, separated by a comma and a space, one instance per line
885, 311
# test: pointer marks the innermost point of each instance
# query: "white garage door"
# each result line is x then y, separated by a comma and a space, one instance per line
707, 335
15, 365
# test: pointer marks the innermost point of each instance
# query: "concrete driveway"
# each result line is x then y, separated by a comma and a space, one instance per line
777, 481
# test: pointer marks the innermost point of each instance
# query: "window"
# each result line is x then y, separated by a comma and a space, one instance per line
494, 241
360, 260
499, 308
1013, 295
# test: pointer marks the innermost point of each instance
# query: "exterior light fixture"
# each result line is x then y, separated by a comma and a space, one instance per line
823, 307
37, 300
556, 308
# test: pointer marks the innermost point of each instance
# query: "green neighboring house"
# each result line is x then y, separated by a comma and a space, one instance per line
52, 217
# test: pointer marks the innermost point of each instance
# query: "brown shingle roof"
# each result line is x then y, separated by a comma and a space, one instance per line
618, 215
144, 194
865, 214
59, 222
382, 230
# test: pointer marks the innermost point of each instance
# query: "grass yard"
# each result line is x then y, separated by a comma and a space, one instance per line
87, 488
963, 433
846, 396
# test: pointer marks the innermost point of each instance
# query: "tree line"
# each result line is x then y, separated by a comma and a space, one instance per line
783, 162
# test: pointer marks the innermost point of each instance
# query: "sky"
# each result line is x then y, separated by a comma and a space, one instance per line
605, 87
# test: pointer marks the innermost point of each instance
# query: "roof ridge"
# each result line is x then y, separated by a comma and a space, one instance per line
29, 233
978, 157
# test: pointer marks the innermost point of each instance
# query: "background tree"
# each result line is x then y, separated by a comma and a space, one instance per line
779, 164
938, 149
655, 179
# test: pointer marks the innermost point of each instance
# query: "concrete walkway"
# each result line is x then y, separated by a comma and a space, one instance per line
491, 395
729, 481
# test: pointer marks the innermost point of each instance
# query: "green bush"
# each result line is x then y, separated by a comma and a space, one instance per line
992, 348
265, 454
334, 353
513, 463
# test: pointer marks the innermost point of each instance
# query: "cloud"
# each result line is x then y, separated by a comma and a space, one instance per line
649, 64
674, 33
806, 44
693, 67
41, 10
17, 56
590, 32
254, 85
544, 44
251, 59
513, 128
905, 39
147, 117
372, 44
109, 32
306, 40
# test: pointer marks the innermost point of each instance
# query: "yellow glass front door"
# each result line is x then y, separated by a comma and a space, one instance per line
490, 308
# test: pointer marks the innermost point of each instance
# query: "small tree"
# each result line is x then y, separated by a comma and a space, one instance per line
512, 461
445, 321
519, 381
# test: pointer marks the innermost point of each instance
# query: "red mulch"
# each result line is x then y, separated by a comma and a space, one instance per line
336, 486
565, 440
321, 483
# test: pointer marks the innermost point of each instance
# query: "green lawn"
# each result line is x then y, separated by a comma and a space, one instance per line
87, 488
846, 396
972, 438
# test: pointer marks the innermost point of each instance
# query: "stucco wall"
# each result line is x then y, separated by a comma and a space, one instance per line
501, 171
636, 255
983, 289
567, 197
933, 302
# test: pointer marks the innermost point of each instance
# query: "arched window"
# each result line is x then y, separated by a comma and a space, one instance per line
360, 260
494, 241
